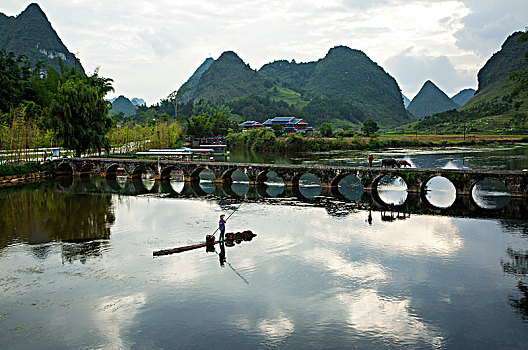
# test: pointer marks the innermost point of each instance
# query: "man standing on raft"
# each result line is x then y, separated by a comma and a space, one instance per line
221, 226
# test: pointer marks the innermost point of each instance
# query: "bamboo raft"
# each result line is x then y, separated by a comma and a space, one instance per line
230, 240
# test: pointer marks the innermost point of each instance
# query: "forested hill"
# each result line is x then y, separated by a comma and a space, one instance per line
350, 75
189, 87
430, 100
229, 77
31, 34
500, 104
344, 87
493, 82
124, 105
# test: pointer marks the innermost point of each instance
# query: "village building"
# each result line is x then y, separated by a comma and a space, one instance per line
289, 125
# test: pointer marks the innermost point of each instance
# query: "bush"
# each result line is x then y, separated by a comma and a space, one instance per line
25, 168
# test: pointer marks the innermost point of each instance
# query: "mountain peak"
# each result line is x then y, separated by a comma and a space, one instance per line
32, 10
31, 34
229, 56
430, 100
343, 49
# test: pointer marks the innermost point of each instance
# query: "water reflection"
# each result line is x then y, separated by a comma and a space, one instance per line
309, 185
351, 188
441, 192
41, 215
392, 196
323, 273
386, 317
490, 194
392, 190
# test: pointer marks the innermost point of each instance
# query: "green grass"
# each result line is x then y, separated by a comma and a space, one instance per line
25, 168
289, 96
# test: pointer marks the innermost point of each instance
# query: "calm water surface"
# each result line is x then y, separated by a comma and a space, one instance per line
505, 158
77, 272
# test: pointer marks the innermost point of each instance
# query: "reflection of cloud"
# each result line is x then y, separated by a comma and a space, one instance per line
418, 235
274, 329
277, 328
370, 313
113, 313
363, 271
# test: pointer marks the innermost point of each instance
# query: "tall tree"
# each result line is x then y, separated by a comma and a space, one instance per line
79, 113
369, 127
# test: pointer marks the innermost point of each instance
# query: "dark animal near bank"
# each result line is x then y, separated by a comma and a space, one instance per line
389, 162
403, 163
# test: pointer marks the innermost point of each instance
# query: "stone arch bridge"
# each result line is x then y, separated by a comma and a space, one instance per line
416, 179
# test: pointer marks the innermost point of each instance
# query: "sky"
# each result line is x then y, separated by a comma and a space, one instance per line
150, 48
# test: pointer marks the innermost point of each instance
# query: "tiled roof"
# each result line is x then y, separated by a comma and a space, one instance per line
282, 119
249, 123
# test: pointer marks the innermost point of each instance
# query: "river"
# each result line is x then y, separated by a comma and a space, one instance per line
77, 270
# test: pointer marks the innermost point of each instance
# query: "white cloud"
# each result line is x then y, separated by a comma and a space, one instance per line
151, 48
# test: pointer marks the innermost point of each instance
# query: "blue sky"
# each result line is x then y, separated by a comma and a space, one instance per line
150, 48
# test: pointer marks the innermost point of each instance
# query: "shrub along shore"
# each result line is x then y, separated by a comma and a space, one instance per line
14, 174
266, 142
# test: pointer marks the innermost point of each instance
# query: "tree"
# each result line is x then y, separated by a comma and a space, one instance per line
326, 130
79, 114
369, 127
277, 129
176, 97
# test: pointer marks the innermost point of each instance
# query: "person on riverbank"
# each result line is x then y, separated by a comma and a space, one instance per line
221, 226
370, 159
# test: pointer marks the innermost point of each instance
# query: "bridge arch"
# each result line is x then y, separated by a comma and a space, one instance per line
440, 197
227, 175
347, 185
110, 171
313, 185
137, 170
86, 169
167, 170
395, 201
64, 168
495, 186
195, 173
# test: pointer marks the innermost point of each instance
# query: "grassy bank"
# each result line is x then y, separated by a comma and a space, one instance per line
265, 141
26, 168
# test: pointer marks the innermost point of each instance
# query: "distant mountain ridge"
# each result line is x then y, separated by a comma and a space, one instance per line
496, 107
493, 81
31, 34
406, 101
123, 104
345, 78
463, 96
430, 100
138, 101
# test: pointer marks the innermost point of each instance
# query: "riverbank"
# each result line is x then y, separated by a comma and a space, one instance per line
16, 174
266, 142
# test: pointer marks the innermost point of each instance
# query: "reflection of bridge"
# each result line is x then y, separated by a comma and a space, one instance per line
331, 199
416, 179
